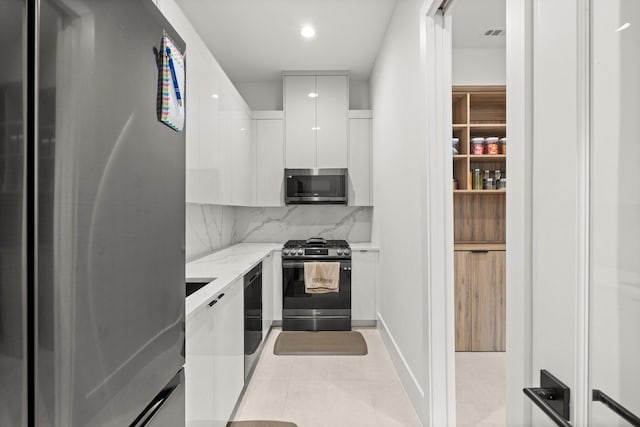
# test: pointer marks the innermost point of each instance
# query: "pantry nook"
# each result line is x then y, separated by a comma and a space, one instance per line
479, 185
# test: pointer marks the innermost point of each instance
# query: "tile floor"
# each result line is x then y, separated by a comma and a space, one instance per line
328, 391
480, 389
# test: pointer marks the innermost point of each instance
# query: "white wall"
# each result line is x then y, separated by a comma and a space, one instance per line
397, 86
477, 66
264, 95
267, 95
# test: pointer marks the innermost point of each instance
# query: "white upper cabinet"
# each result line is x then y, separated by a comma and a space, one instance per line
300, 121
205, 121
316, 128
360, 193
219, 160
332, 105
269, 149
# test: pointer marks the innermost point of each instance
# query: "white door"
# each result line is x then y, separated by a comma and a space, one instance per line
615, 212
585, 208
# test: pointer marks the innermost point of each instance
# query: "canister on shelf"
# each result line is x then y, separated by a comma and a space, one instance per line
487, 174
497, 175
491, 145
503, 145
502, 184
455, 142
477, 146
477, 179
488, 184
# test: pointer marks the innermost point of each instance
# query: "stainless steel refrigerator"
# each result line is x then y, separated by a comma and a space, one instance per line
92, 194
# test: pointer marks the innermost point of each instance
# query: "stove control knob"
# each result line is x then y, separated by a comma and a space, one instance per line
300, 252
339, 251
347, 251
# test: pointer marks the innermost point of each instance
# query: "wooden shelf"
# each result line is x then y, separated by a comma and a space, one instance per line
487, 125
479, 246
479, 191
488, 157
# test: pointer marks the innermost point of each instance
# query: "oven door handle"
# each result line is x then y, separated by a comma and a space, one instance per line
300, 264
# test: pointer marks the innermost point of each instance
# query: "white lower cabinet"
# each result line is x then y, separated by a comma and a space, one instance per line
199, 365
214, 367
364, 269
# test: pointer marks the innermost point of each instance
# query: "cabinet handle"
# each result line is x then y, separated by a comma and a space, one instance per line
627, 415
220, 296
553, 397
213, 302
479, 251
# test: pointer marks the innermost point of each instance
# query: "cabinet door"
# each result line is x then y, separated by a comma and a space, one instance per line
267, 294
208, 130
199, 368
277, 285
463, 274
269, 163
241, 165
363, 285
488, 301
332, 121
300, 121
192, 132
360, 162
228, 364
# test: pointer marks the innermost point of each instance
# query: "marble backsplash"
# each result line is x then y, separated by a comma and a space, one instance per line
208, 229
213, 227
262, 225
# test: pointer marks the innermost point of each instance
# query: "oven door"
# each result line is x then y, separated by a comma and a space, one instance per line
303, 311
316, 186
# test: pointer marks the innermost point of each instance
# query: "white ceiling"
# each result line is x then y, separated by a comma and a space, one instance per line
255, 40
471, 18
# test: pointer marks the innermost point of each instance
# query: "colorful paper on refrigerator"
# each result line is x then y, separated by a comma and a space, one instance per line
172, 84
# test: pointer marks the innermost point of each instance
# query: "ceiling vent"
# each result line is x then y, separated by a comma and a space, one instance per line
491, 33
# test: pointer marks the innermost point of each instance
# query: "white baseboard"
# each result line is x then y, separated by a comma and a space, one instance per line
408, 379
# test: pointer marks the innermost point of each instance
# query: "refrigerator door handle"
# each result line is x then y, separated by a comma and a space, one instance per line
145, 418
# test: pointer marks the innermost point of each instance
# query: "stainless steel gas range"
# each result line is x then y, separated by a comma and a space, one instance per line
302, 311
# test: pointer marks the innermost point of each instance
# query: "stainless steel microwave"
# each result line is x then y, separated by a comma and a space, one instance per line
315, 186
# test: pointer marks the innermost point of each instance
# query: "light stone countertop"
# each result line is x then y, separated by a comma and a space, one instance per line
229, 264
364, 246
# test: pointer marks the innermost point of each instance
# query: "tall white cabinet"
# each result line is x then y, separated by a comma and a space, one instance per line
360, 188
316, 121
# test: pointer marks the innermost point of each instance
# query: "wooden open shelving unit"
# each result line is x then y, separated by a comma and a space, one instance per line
479, 222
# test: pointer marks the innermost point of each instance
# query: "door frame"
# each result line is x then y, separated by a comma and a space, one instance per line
437, 207
438, 236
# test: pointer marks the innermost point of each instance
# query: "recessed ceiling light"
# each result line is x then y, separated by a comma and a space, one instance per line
312, 95
307, 31
214, 95
315, 128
